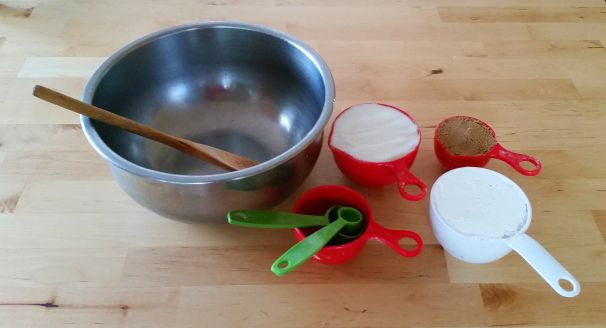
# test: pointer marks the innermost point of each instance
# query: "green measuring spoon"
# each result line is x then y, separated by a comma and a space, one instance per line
349, 221
286, 220
277, 220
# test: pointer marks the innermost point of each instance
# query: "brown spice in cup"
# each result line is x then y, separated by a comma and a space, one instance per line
463, 136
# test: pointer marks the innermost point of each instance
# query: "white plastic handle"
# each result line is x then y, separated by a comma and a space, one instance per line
544, 264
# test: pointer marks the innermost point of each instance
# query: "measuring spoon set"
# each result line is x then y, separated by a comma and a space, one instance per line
470, 216
331, 234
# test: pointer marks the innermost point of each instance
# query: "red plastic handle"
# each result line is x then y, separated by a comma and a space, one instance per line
404, 178
514, 159
392, 238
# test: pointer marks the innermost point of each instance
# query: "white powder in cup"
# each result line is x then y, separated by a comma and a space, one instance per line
375, 133
480, 203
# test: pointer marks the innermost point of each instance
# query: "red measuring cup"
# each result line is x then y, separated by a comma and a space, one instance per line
378, 174
318, 200
451, 160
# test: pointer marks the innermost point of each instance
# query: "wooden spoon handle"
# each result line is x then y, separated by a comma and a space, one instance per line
97, 113
207, 153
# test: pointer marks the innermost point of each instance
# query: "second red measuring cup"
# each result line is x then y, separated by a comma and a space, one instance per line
461, 141
374, 145
318, 200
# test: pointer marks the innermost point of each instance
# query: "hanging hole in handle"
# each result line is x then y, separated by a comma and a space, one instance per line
413, 190
240, 216
283, 264
406, 180
408, 244
566, 285
528, 165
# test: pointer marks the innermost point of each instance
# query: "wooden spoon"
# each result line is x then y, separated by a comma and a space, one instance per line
218, 157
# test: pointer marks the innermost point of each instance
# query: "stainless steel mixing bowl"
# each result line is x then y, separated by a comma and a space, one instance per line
243, 88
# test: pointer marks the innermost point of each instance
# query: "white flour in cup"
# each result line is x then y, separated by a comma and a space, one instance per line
375, 133
480, 203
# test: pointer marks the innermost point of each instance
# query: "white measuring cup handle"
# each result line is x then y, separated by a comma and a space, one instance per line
544, 264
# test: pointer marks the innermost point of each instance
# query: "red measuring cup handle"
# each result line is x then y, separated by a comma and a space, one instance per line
514, 159
404, 178
392, 238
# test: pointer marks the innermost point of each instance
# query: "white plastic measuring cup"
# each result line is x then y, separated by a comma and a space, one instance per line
478, 247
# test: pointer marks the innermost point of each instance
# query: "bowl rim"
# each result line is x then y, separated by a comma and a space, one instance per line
113, 158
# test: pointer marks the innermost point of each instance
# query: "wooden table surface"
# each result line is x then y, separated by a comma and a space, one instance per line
76, 251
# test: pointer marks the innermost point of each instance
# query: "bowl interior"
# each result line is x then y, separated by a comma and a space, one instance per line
233, 88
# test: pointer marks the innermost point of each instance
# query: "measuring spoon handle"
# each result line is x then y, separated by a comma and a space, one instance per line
404, 177
392, 239
514, 159
273, 219
306, 248
545, 265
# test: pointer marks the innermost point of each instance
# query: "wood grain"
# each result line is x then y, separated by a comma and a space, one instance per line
36, 67
76, 251
523, 14
357, 305
549, 49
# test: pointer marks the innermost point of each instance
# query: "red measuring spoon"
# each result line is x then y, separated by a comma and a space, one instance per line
451, 160
317, 200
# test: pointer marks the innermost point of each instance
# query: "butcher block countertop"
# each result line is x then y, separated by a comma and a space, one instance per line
76, 251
